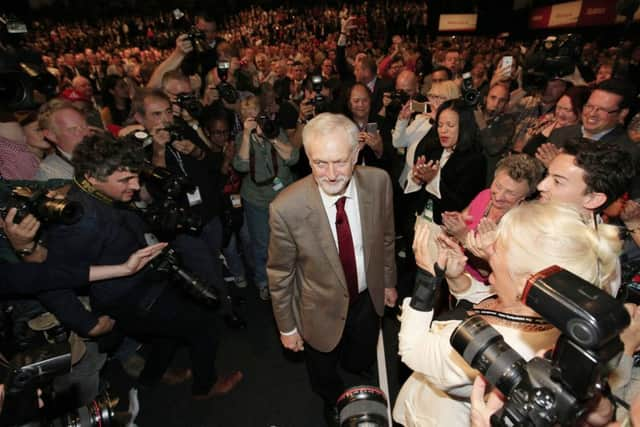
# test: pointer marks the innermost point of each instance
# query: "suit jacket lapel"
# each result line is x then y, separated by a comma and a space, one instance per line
367, 215
319, 223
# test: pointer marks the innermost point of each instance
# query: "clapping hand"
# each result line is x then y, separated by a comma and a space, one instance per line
481, 242
455, 224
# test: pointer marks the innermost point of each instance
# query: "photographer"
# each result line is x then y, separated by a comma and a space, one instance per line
143, 305
495, 127
265, 155
184, 153
439, 390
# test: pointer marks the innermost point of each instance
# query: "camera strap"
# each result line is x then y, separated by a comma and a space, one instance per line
511, 317
252, 166
86, 187
178, 158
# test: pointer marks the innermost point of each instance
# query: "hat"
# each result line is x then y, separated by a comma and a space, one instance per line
73, 95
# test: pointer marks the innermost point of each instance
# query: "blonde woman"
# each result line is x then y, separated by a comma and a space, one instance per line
530, 237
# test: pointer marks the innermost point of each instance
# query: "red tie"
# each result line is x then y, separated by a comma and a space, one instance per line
345, 248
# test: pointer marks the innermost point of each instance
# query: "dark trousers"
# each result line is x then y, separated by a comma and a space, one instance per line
174, 320
356, 351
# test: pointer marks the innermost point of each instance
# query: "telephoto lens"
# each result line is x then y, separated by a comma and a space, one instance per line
484, 349
363, 406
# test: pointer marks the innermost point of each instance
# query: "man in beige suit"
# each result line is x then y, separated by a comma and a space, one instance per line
331, 264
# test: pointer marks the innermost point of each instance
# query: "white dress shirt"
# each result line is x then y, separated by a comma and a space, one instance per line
352, 210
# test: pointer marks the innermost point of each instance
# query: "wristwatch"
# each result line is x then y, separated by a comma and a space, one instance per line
28, 251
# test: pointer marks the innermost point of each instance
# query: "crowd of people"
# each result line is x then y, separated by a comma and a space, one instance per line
321, 148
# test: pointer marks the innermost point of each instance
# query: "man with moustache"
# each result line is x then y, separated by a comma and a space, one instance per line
331, 264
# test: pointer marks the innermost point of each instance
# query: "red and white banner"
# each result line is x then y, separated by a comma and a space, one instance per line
458, 22
582, 13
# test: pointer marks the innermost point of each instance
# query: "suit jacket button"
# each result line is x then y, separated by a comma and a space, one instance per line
343, 318
346, 295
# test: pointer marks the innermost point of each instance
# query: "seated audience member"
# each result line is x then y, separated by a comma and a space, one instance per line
568, 112
18, 160
516, 178
438, 392
117, 104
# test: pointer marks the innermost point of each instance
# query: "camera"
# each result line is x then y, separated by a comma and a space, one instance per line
554, 57
191, 103
22, 73
398, 99
363, 406
198, 40
46, 209
35, 369
319, 101
544, 392
470, 95
227, 92
167, 215
168, 262
270, 128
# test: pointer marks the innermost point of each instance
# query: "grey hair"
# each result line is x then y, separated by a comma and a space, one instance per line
328, 124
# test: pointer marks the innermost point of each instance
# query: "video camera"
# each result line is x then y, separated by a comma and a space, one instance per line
544, 392
22, 73
470, 94
227, 92
168, 214
35, 369
555, 57
46, 209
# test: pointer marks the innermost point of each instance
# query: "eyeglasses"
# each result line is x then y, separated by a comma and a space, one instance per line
589, 108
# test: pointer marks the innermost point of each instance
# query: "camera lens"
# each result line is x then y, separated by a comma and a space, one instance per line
62, 211
363, 406
484, 349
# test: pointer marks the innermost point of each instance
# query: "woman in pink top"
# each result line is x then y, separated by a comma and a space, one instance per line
515, 179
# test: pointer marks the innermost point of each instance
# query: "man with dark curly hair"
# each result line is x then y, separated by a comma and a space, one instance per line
142, 305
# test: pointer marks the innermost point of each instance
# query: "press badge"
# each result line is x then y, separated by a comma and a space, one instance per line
236, 200
277, 184
194, 197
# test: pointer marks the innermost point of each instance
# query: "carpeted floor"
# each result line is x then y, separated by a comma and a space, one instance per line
274, 392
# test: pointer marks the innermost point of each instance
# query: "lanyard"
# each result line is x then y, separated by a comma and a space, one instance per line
511, 317
252, 166
178, 158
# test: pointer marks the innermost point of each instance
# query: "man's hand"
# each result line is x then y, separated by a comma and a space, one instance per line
546, 153
21, 235
292, 342
481, 121
390, 297
307, 109
250, 124
105, 324
348, 24
373, 140
183, 45
141, 257
405, 112
185, 146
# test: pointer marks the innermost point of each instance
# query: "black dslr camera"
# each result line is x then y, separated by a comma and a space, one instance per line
36, 202
227, 92
270, 128
168, 215
398, 99
191, 103
168, 262
35, 369
319, 101
470, 94
544, 392
198, 40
